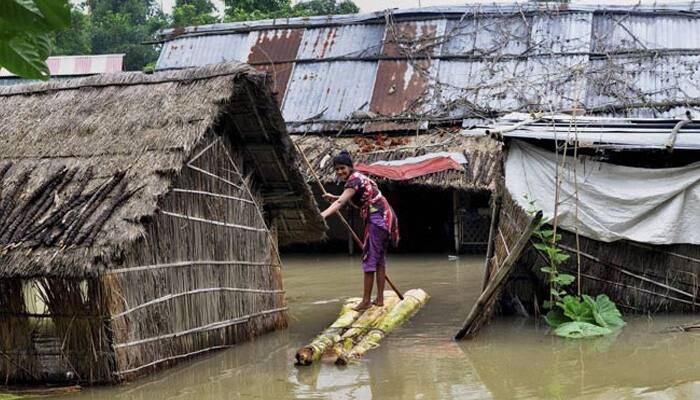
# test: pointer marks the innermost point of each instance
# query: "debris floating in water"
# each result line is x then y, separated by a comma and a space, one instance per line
354, 333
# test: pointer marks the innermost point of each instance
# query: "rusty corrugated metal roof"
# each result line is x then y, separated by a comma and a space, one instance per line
407, 69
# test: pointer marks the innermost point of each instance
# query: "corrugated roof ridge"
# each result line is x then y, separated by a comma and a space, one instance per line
691, 8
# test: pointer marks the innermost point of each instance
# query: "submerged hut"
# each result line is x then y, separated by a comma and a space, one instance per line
623, 193
420, 75
140, 217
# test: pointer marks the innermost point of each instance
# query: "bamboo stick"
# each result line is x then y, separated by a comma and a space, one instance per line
207, 221
196, 291
188, 264
208, 327
476, 316
342, 219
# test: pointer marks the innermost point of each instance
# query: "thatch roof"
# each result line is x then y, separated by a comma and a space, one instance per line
82, 135
483, 156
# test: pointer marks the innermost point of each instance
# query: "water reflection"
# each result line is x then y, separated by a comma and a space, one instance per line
512, 358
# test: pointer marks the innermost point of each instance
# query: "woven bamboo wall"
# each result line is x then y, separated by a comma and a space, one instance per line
65, 340
638, 277
206, 275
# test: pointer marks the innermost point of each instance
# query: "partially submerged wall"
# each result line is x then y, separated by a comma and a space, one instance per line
206, 275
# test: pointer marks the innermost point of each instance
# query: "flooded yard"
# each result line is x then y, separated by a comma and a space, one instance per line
512, 358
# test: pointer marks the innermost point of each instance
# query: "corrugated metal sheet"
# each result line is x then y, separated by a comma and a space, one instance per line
561, 33
665, 78
80, 65
274, 51
637, 32
505, 35
670, 7
596, 131
342, 41
465, 85
202, 50
406, 85
462, 61
328, 91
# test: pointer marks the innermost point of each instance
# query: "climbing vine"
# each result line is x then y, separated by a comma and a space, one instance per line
571, 316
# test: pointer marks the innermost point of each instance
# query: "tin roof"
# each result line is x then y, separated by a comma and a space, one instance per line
80, 65
598, 132
407, 69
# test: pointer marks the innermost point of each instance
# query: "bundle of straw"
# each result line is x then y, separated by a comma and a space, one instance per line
413, 300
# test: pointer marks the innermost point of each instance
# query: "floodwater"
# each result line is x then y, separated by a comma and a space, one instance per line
512, 358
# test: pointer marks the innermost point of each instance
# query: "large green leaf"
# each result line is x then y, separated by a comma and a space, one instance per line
604, 311
576, 310
26, 56
56, 12
555, 318
581, 330
22, 16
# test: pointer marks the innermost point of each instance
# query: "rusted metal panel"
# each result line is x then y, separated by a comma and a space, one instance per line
403, 87
355, 41
274, 51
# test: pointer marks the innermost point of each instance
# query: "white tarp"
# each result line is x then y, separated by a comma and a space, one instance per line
660, 206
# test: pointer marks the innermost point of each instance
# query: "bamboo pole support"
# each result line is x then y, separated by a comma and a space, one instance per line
488, 296
342, 218
495, 212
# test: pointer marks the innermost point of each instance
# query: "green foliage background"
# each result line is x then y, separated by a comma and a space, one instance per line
122, 26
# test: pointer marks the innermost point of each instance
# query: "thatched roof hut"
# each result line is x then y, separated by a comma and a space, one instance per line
146, 126
143, 211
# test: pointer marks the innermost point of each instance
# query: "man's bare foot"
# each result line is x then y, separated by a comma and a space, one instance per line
363, 306
378, 302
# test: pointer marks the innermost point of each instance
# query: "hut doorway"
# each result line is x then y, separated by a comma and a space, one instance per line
425, 219
431, 221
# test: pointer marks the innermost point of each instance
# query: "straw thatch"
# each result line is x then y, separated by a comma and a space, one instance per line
138, 221
483, 156
113, 144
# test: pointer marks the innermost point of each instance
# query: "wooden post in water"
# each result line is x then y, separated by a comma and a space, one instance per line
479, 312
495, 211
455, 220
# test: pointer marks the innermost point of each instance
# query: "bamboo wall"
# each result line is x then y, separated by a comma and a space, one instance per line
206, 276
637, 277
53, 330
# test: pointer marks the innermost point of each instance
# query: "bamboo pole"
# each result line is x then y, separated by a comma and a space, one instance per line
342, 219
476, 316
495, 211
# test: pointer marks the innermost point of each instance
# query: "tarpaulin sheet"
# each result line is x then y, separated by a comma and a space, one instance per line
408, 170
658, 206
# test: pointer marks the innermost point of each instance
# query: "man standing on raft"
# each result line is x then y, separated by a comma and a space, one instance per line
381, 224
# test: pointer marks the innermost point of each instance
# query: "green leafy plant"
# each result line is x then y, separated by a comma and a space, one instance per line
26, 27
571, 316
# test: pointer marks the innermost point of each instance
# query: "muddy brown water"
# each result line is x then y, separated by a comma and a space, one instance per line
512, 358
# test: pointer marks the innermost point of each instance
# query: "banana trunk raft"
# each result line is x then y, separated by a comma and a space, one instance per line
354, 333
